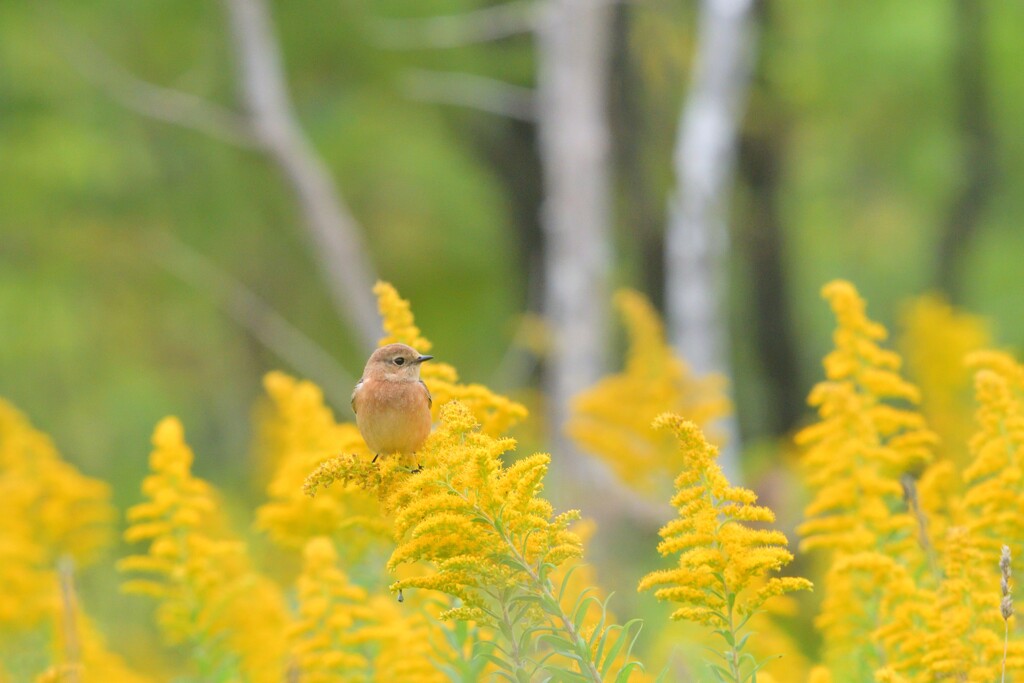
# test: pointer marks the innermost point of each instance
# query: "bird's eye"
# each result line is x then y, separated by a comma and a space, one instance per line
399, 361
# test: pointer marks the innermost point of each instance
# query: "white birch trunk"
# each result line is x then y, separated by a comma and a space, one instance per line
573, 53
705, 157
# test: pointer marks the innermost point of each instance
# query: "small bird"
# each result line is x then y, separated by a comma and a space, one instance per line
391, 402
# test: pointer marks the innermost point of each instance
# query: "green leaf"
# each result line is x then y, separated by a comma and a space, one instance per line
600, 628
604, 640
565, 581
624, 672
568, 676
581, 609
728, 636
497, 661
632, 642
721, 675
620, 641
560, 645
450, 671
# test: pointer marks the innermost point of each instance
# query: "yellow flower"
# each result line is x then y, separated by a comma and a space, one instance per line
482, 535
722, 559
208, 596
299, 433
866, 448
965, 634
495, 413
856, 455
96, 663
819, 674
464, 512
612, 419
329, 640
47, 510
936, 338
995, 492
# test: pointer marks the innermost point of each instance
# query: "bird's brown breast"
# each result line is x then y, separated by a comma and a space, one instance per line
393, 417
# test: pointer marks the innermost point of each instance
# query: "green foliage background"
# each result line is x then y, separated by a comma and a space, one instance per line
98, 340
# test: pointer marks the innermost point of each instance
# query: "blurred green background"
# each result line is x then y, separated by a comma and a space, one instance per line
868, 115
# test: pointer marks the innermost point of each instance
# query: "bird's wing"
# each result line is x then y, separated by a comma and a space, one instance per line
354, 392
430, 399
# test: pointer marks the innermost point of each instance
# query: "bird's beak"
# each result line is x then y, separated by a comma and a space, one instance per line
422, 358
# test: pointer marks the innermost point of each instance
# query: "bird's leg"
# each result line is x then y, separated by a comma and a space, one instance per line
375, 458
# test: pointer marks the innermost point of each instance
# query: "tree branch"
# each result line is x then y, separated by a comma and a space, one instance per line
333, 232
153, 101
468, 90
255, 315
270, 126
457, 30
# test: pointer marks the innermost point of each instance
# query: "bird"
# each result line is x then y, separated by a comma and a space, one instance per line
392, 404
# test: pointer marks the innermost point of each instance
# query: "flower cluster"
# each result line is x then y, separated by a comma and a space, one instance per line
209, 597
464, 512
865, 442
723, 559
918, 540
935, 340
50, 515
299, 433
342, 634
613, 418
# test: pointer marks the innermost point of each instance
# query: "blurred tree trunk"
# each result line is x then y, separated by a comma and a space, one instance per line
705, 156
978, 165
573, 54
643, 206
761, 239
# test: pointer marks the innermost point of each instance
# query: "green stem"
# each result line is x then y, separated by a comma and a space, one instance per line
543, 586
518, 660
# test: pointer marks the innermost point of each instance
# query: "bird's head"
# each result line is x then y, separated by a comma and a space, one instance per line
395, 363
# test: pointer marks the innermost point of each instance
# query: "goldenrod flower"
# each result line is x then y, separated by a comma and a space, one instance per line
464, 512
329, 640
483, 534
995, 492
966, 634
819, 674
208, 596
96, 664
865, 449
863, 445
722, 559
300, 433
48, 509
612, 419
495, 413
935, 340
